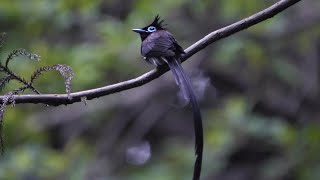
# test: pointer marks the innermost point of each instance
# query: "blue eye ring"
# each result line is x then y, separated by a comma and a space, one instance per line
151, 29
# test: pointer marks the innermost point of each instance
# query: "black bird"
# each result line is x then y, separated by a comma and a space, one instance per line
159, 48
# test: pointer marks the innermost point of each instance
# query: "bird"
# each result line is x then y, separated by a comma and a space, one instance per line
160, 48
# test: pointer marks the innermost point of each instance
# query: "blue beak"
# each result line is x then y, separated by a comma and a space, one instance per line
139, 30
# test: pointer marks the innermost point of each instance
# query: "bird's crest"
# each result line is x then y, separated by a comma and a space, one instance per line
157, 22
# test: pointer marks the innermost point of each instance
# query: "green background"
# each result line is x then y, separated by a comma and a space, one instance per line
260, 106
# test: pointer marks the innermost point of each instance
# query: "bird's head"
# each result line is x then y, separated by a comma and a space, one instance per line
153, 27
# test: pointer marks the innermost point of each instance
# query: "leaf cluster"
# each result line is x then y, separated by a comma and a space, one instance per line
9, 75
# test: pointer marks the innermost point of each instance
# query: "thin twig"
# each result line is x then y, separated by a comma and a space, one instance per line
59, 99
20, 79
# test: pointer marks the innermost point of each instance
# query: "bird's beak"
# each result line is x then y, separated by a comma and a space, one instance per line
138, 30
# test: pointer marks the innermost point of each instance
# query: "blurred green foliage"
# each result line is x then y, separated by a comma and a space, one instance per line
264, 123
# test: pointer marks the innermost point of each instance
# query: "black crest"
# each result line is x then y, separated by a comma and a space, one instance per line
157, 22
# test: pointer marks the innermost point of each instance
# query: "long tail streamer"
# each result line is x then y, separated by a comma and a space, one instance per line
184, 83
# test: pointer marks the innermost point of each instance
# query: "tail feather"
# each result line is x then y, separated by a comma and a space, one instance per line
179, 78
185, 85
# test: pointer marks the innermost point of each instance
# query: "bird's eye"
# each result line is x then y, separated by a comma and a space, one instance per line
151, 29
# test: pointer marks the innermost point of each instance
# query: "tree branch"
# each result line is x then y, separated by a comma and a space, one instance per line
59, 99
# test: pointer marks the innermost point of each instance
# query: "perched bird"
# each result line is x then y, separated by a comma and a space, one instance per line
159, 47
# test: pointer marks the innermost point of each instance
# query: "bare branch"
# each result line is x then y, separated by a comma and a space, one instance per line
59, 99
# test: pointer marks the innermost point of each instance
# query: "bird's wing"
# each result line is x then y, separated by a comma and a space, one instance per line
159, 44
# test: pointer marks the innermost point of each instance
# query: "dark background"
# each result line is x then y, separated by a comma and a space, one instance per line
259, 92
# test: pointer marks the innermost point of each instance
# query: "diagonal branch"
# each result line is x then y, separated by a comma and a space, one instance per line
59, 99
